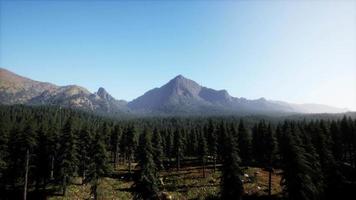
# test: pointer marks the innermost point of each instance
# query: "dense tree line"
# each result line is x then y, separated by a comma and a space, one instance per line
51, 145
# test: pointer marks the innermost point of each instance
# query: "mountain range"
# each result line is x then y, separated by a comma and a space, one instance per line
180, 96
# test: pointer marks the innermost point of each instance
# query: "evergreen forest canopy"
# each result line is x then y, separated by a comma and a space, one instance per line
42, 146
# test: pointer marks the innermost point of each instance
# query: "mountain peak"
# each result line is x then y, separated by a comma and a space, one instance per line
181, 85
179, 79
101, 90
103, 93
179, 76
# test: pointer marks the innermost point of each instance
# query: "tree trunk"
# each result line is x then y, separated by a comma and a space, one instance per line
84, 174
64, 185
26, 174
214, 164
115, 158
204, 169
52, 168
130, 164
84, 167
178, 163
270, 181
95, 186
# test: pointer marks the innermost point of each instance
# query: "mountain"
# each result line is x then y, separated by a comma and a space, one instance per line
183, 96
15, 89
180, 96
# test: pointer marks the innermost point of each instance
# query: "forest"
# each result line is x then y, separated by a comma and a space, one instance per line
47, 151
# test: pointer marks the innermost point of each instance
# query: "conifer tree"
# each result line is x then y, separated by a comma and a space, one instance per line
297, 178
212, 141
270, 154
244, 143
203, 151
16, 156
231, 184
68, 154
157, 149
346, 131
28, 142
53, 138
115, 142
193, 144
130, 144
4, 139
330, 168
146, 183
169, 145
99, 165
177, 146
337, 144
84, 143
42, 169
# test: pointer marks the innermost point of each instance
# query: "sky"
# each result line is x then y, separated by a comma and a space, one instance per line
294, 51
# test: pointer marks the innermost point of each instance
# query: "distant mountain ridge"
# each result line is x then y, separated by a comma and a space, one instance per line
15, 89
180, 96
184, 96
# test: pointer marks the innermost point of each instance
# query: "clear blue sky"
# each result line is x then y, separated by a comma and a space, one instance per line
295, 51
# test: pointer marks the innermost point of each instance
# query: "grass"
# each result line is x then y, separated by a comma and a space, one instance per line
113, 189
108, 189
186, 184
189, 183
257, 182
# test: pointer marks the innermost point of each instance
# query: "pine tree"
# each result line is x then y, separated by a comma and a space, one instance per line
42, 157
177, 146
130, 144
193, 144
68, 154
84, 143
270, 154
146, 184
169, 146
28, 142
330, 169
257, 142
212, 141
337, 144
231, 184
53, 151
15, 165
244, 143
157, 149
99, 165
203, 151
4, 140
115, 140
346, 130
297, 179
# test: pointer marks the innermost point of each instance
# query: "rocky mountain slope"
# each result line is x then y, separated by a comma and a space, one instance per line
180, 96
15, 89
184, 96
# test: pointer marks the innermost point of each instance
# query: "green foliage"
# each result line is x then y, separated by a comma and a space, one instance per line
157, 151
68, 150
298, 170
231, 184
178, 147
146, 182
244, 143
64, 143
